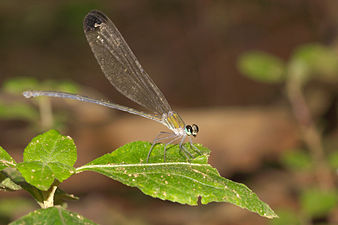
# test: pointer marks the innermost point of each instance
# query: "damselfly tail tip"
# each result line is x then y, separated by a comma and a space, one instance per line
93, 20
27, 94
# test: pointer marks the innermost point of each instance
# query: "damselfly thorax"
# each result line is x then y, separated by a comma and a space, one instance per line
179, 133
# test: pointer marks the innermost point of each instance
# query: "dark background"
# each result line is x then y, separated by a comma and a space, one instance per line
190, 49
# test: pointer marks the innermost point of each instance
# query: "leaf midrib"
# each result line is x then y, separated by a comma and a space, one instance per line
80, 169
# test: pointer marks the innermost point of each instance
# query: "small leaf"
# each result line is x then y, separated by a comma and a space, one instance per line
37, 174
297, 160
63, 86
60, 197
14, 206
317, 202
6, 183
19, 84
48, 156
316, 59
67, 86
175, 179
52, 215
50, 147
286, 217
333, 159
18, 111
5, 159
15, 176
61, 171
262, 67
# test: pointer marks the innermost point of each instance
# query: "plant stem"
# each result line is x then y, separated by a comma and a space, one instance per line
48, 196
310, 134
46, 113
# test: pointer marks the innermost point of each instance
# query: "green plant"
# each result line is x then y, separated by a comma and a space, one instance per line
49, 160
308, 63
43, 115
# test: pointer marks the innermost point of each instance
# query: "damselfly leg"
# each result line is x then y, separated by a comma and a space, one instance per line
192, 144
174, 137
168, 143
159, 138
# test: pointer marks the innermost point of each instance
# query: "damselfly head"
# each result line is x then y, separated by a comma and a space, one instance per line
191, 130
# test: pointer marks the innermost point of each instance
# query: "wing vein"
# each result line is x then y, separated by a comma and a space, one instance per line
120, 65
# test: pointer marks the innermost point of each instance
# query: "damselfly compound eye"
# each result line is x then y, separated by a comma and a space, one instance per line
188, 130
194, 130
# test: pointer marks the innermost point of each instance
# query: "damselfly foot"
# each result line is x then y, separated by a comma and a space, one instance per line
174, 137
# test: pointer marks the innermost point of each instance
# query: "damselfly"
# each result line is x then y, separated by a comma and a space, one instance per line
125, 73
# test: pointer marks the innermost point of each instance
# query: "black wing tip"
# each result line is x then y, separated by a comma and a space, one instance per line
93, 19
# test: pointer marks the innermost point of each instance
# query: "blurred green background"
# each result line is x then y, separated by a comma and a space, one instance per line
244, 71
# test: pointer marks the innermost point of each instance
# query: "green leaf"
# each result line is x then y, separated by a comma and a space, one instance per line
5, 159
314, 59
64, 86
333, 159
14, 206
7, 184
18, 111
262, 67
286, 217
19, 84
67, 86
48, 156
53, 216
60, 197
37, 174
51, 147
11, 179
297, 160
175, 179
19, 182
317, 202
